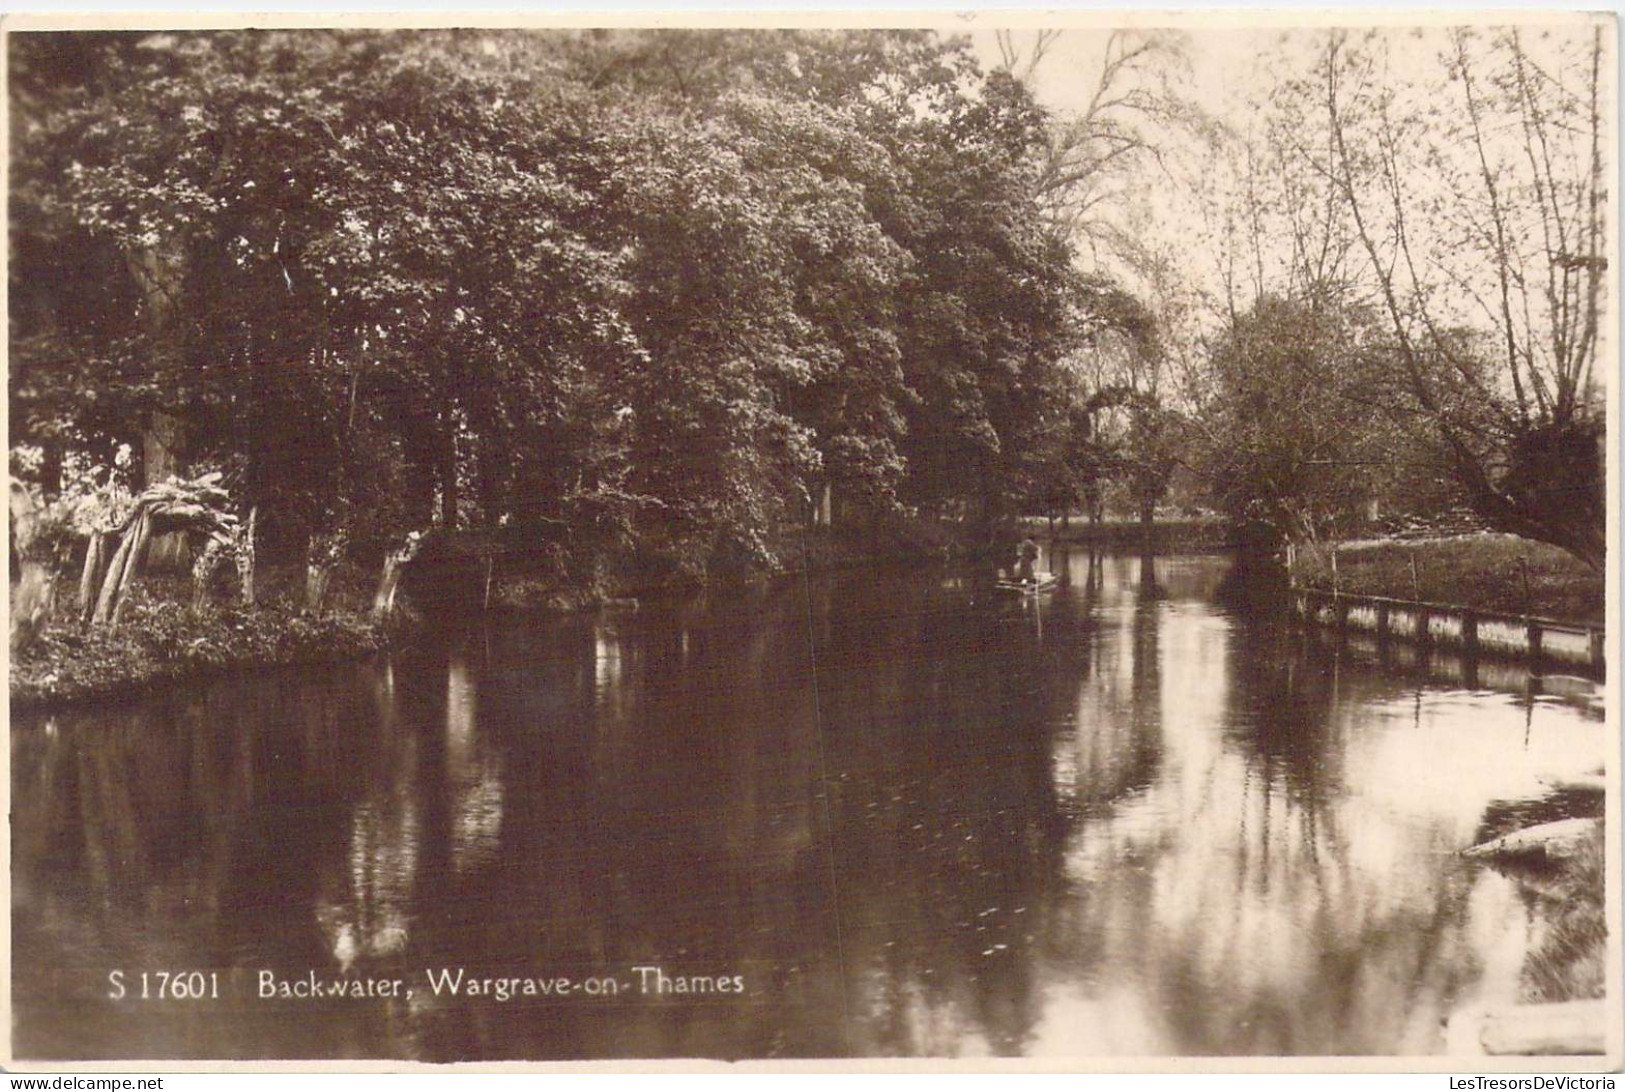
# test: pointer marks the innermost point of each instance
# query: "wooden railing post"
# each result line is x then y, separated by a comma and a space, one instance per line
1469, 634
1535, 638
1382, 622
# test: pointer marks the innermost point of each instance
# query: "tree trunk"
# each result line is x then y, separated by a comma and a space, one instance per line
164, 456
316, 578
383, 603
132, 567
488, 464
448, 473
203, 570
113, 576
1557, 839
31, 598
95, 569
30, 602
51, 469
245, 560
201, 579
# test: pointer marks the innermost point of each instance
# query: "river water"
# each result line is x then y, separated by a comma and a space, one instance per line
884, 814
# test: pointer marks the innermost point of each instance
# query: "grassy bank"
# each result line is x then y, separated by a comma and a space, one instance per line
161, 639
1488, 572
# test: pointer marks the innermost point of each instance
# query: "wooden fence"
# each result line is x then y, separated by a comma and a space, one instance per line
1473, 633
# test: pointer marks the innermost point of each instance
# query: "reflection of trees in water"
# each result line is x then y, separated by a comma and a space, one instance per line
1107, 757
190, 832
1279, 714
1242, 901
1282, 940
1143, 805
363, 898
1359, 655
1148, 590
473, 774
115, 840
136, 817
667, 814
1079, 571
1111, 691
949, 824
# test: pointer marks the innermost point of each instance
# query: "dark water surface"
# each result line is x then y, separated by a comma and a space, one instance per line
912, 815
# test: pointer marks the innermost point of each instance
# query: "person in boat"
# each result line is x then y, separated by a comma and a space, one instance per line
1026, 561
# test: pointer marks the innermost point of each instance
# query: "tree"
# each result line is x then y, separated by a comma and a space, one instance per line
989, 303
1286, 451
598, 294
1136, 111
903, 302
1510, 242
357, 260
1129, 406
1135, 114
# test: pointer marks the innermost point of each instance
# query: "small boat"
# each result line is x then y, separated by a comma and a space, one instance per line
1042, 583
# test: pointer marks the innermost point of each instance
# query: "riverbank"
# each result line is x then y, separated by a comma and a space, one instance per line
162, 640
1569, 963
1166, 536
1486, 572
1559, 867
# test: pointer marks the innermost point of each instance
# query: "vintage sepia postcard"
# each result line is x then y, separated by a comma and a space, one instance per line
1077, 541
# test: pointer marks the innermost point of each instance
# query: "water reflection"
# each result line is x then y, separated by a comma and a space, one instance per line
473, 775
917, 818
363, 904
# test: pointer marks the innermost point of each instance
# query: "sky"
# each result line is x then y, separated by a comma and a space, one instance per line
1230, 73
1221, 76
1067, 76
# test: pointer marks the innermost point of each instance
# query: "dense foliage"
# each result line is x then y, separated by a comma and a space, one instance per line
652, 300
610, 293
